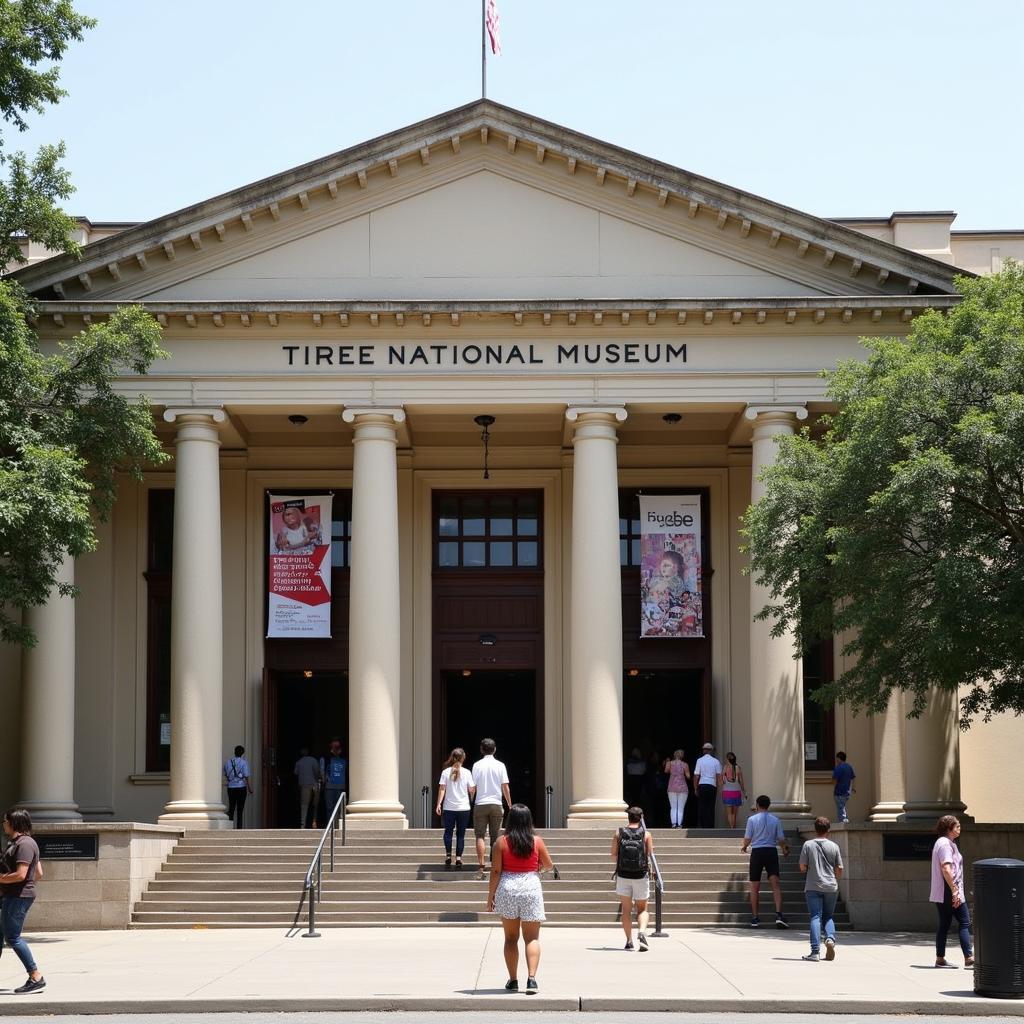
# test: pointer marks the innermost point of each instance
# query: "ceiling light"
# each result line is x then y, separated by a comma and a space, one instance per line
307, 673
297, 419
671, 418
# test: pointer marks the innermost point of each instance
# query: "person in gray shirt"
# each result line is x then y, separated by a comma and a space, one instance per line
309, 778
822, 862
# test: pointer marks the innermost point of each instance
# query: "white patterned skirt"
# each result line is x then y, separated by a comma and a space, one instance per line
519, 895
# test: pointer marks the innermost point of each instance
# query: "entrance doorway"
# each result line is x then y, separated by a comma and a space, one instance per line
501, 705
302, 709
662, 711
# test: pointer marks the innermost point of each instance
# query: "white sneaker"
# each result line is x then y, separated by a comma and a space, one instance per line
813, 957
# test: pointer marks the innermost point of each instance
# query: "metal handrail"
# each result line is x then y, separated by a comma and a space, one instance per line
316, 865
549, 792
659, 888
425, 801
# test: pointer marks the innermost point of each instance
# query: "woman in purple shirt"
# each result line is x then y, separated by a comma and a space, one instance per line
947, 892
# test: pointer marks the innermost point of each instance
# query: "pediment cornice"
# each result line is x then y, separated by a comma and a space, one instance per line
740, 217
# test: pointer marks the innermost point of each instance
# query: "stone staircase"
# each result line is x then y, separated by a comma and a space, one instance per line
253, 879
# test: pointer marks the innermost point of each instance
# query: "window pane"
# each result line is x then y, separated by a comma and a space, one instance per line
161, 530
634, 552
623, 527
474, 554
501, 552
634, 526
526, 552
528, 505
501, 527
473, 523
448, 554
338, 554
623, 552
527, 526
502, 511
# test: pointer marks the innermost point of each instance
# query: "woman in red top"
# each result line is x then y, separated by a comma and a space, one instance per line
515, 893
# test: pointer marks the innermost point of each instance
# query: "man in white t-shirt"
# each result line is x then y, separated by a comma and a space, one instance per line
491, 778
707, 777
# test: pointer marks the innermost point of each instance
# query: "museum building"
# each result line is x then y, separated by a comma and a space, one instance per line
486, 339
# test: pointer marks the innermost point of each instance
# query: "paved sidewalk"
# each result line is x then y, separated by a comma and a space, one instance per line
707, 970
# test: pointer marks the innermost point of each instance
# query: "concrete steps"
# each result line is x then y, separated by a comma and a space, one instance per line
254, 879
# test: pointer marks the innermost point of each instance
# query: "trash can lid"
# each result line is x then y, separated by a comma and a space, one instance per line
999, 862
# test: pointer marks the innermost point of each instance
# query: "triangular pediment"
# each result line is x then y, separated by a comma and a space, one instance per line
485, 203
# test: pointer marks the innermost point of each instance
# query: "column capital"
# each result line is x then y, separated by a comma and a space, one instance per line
373, 414
191, 414
786, 413
585, 412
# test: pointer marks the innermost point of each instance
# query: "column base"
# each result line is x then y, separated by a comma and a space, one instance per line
364, 815
596, 813
194, 814
931, 811
886, 811
46, 810
796, 814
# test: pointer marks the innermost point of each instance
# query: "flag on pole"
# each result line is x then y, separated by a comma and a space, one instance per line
494, 27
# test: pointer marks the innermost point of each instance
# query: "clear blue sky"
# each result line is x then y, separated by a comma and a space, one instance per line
839, 109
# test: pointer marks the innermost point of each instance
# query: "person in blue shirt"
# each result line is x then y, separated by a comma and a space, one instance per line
843, 776
763, 833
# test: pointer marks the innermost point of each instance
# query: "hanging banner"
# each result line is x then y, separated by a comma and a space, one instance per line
671, 604
300, 566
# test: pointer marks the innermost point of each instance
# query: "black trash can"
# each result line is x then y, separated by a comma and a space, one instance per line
999, 927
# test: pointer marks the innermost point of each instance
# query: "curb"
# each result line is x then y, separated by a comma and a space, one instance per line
966, 1006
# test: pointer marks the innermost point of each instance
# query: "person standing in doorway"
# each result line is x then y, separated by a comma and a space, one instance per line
309, 777
822, 862
632, 847
454, 789
490, 777
678, 772
947, 891
763, 834
239, 780
334, 770
21, 870
707, 776
734, 790
843, 776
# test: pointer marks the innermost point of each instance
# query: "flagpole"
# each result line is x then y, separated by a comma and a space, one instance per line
483, 49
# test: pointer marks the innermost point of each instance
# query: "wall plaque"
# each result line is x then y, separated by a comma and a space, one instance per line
69, 846
907, 846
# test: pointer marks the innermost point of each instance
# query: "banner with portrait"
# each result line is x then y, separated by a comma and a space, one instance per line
671, 599
300, 566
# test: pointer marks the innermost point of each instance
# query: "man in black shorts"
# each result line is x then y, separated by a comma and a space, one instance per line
763, 833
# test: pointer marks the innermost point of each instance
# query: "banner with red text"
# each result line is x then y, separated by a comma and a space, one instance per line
671, 602
300, 566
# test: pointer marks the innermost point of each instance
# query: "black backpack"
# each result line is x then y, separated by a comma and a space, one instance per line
632, 856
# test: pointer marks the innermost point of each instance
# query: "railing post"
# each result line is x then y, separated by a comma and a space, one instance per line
344, 815
549, 792
312, 933
659, 888
425, 797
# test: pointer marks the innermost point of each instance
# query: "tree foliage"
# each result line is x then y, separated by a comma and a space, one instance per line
902, 527
64, 428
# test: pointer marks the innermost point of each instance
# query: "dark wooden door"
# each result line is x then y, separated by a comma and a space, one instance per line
269, 767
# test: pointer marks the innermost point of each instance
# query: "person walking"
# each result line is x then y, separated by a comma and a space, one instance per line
734, 790
454, 789
632, 847
707, 775
947, 891
843, 776
515, 893
636, 768
762, 834
678, 772
309, 777
239, 780
822, 863
490, 777
21, 871
334, 770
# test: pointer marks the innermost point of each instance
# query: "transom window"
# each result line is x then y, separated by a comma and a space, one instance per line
341, 530
485, 530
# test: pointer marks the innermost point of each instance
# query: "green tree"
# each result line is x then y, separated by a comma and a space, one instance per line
64, 429
902, 526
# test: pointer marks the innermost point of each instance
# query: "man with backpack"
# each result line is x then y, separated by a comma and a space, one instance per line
632, 846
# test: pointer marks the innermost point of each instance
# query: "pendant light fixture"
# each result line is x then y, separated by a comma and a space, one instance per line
485, 423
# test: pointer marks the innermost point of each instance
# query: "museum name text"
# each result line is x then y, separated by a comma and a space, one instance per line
662, 354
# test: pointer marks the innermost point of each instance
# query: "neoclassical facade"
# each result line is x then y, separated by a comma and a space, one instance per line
338, 329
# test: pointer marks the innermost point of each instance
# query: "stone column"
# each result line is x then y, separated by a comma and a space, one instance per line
890, 749
776, 684
197, 661
595, 623
933, 760
48, 707
374, 660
